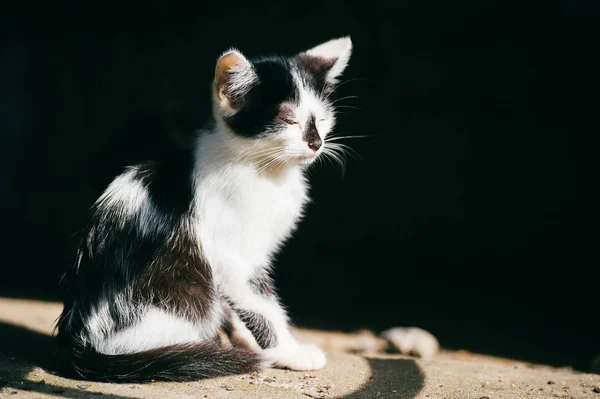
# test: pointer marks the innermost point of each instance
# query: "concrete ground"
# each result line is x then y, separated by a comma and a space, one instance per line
25, 344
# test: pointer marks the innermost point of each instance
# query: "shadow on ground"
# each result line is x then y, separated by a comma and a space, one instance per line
26, 345
392, 378
22, 350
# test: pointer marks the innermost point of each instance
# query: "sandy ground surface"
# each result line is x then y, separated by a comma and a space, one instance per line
25, 361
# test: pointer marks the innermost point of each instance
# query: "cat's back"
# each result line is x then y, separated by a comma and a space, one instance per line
132, 219
141, 212
156, 189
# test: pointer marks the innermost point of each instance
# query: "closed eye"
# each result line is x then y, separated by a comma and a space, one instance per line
289, 121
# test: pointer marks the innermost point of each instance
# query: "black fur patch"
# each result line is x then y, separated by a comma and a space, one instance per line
179, 278
259, 326
184, 362
311, 134
261, 105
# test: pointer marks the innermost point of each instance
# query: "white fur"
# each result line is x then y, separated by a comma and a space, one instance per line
296, 356
156, 328
338, 49
151, 328
242, 216
127, 196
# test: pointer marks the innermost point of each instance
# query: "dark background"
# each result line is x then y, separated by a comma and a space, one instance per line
473, 211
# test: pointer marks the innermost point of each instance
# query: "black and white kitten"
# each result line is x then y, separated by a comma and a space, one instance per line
177, 248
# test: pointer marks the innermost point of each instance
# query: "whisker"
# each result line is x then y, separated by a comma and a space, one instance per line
326, 158
338, 157
334, 89
347, 81
271, 164
253, 154
334, 138
343, 148
336, 112
347, 106
343, 98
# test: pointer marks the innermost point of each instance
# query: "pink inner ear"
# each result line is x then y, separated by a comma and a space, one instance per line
315, 63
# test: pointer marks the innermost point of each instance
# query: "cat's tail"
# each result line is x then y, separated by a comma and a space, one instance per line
181, 362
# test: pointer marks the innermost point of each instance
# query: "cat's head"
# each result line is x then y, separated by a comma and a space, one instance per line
277, 109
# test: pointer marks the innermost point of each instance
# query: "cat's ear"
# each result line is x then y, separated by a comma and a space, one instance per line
329, 58
234, 77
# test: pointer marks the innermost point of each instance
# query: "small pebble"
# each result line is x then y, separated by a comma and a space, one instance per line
596, 389
485, 397
206, 395
228, 389
269, 379
83, 386
551, 382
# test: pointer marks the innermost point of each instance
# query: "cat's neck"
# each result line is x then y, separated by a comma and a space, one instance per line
218, 148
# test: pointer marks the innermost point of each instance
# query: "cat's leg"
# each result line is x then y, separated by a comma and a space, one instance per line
257, 306
237, 332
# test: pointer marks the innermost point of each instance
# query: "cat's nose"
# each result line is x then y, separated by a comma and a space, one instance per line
315, 144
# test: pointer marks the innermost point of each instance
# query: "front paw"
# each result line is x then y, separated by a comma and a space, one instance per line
301, 357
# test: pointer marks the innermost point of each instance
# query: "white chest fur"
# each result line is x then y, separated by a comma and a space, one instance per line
243, 217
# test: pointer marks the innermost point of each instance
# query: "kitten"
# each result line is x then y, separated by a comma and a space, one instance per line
177, 248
